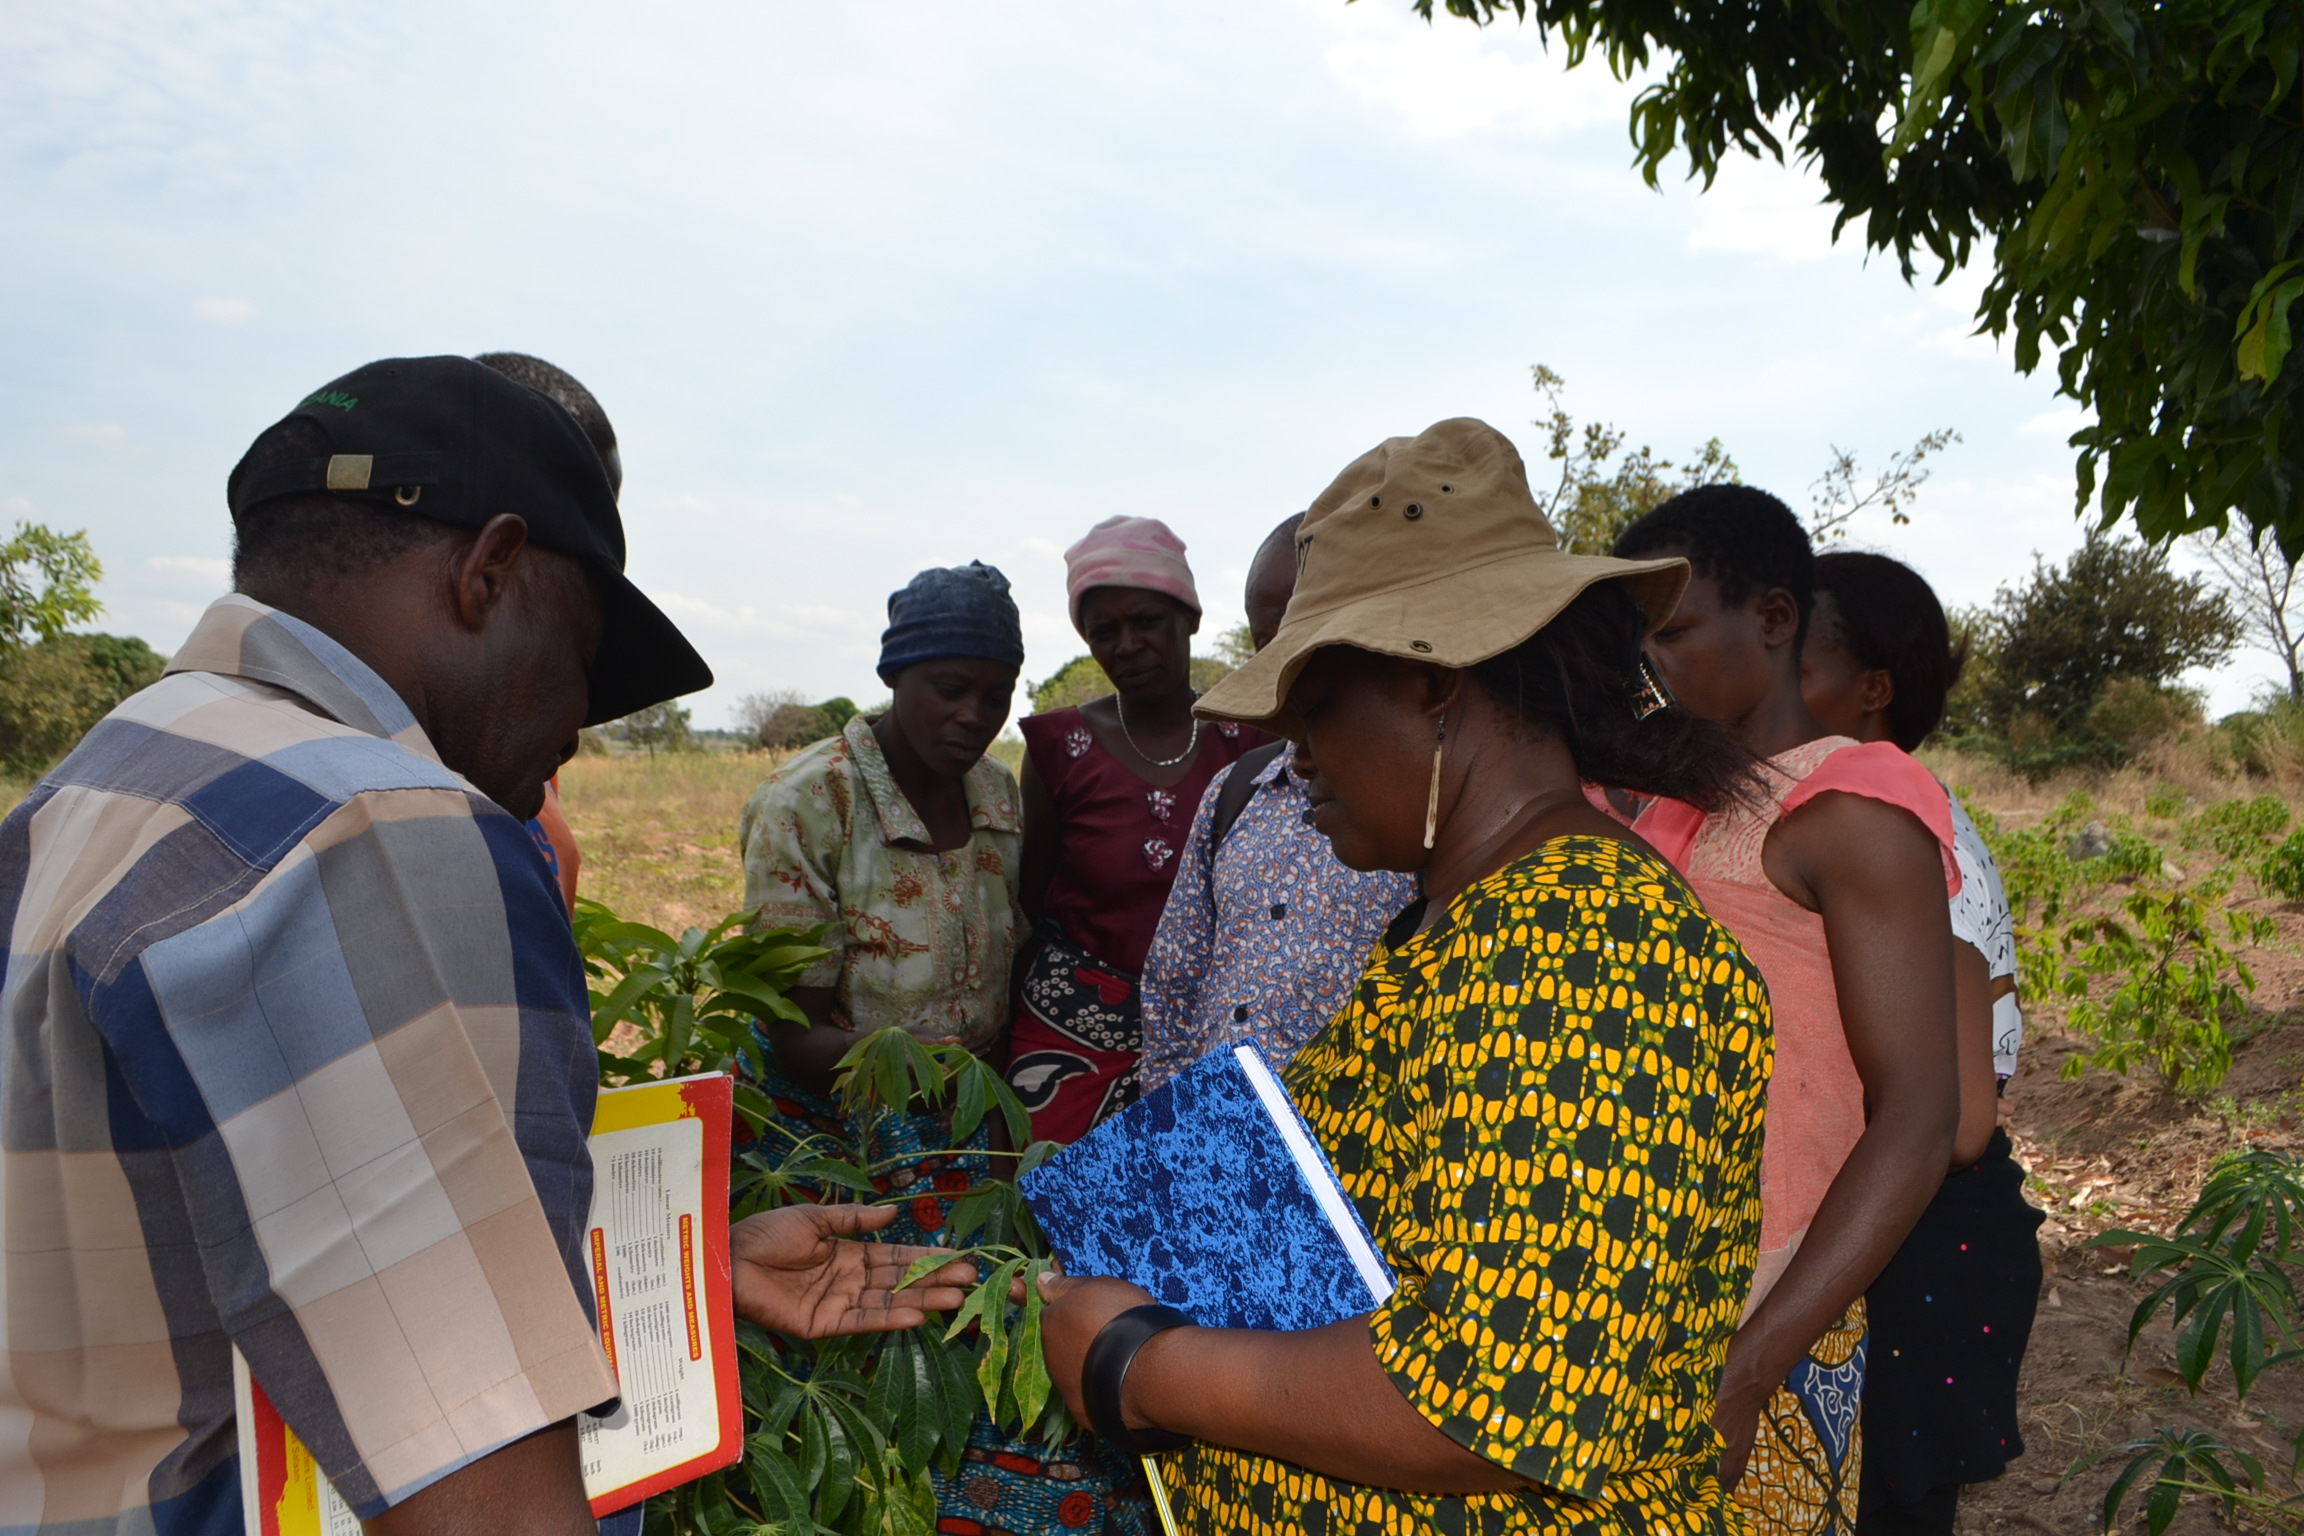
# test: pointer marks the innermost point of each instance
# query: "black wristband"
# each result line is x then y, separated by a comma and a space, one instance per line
1106, 1368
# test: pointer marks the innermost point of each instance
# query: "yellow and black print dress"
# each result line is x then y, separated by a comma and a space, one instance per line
1548, 1111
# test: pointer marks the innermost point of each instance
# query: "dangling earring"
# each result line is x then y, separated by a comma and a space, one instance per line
1432, 801
1649, 694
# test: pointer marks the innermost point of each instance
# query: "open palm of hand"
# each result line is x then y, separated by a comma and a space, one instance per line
799, 1271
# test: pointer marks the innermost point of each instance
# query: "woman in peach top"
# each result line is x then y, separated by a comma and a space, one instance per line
1835, 884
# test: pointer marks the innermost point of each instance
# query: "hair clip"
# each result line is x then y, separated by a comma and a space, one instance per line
1651, 695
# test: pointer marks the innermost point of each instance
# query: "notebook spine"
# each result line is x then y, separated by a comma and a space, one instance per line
1373, 1271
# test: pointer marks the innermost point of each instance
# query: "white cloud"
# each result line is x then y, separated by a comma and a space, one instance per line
2058, 424
100, 434
204, 569
1757, 207
1447, 80
224, 311
17, 506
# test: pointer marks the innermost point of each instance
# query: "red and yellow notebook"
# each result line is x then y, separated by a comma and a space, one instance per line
656, 1247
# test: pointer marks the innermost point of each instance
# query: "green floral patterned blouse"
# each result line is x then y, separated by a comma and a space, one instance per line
1548, 1109
921, 940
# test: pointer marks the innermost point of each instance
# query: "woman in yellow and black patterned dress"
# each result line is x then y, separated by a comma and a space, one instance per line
1545, 1096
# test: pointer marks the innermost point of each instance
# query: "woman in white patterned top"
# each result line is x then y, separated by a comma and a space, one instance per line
1952, 1312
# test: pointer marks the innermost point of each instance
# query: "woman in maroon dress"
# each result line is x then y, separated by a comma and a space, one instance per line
1110, 789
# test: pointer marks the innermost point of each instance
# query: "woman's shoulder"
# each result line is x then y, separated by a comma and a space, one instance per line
1055, 740
816, 780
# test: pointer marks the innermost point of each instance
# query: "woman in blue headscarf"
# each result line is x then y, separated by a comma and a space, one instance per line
903, 836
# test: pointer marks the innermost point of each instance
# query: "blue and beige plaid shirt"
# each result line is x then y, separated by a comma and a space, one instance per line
294, 1056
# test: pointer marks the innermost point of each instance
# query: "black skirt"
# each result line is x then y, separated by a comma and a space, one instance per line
1950, 1317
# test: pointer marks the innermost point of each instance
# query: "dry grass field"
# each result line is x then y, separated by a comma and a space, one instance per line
658, 834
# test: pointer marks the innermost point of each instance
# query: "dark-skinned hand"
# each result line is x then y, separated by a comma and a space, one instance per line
796, 1273
1075, 1312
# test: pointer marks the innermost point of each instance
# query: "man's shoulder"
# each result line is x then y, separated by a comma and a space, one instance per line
186, 732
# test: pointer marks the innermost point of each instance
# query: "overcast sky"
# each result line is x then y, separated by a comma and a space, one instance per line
868, 288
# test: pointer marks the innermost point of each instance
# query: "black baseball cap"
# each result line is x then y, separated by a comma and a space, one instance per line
455, 441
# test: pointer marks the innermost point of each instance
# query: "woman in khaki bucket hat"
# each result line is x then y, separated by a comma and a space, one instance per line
1545, 1096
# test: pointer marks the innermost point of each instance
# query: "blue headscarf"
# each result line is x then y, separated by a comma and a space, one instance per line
961, 610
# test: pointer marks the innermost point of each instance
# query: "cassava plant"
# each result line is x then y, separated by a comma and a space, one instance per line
840, 1434
2226, 1277
2161, 980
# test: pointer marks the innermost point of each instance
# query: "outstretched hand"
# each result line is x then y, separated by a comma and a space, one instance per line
795, 1273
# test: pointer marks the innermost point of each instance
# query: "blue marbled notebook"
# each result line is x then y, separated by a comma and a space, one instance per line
1211, 1194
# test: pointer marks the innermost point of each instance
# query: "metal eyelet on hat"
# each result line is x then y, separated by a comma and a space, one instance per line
1375, 501
1412, 511
406, 495
1447, 488
1420, 645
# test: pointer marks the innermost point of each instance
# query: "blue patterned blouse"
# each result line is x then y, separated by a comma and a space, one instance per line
1266, 945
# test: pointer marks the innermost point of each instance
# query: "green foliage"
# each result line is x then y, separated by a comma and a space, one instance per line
1081, 679
2282, 870
53, 691
2166, 804
47, 584
837, 712
2161, 981
2226, 1278
1074, 683
2136, 170
1592, 503
2048, 653
2239, 829
659, 727
1233, 647
840, 1434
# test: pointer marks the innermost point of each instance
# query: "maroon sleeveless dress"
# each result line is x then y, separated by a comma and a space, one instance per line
1117, 843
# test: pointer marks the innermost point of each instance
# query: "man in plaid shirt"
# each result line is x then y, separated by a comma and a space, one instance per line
294, 1048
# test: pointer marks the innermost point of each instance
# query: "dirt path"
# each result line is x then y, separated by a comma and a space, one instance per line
2105, 1153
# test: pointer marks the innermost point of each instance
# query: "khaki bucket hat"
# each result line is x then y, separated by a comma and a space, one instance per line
1430, 548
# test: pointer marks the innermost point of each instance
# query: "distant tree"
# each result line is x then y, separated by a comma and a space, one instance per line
838, 711
1075, 682
1233, 648
1589, 503
1841, 491
2129, 168
660, 727
54, 685
2114, 610
754, 710
47, 584
2260, 583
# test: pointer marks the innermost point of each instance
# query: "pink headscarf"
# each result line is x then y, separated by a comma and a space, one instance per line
1129, 552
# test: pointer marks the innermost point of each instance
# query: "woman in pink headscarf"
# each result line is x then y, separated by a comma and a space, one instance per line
1110, 788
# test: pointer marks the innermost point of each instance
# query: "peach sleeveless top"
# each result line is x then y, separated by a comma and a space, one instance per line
1816, 1100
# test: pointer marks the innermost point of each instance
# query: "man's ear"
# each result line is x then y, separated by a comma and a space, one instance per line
481, 574
1778, 613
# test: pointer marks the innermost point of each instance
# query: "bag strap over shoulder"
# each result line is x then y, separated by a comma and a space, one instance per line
1239, 784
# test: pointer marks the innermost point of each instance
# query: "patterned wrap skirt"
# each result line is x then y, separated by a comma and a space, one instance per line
1807, 1456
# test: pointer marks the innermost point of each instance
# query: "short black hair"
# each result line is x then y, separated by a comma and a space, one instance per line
1283, 533
1579, 678
560, 386
1890, 619
1741, 537
314, 538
